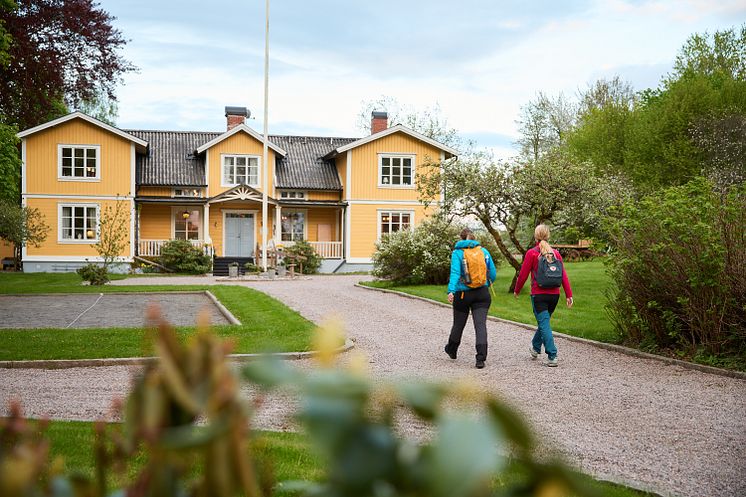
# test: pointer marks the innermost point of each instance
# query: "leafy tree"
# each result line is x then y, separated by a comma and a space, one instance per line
722, 54
113, 232
544, 124
101, 107
21, 226
722, 141
10, 165
63, 52
5, 38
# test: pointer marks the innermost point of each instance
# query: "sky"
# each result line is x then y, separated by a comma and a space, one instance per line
479, 61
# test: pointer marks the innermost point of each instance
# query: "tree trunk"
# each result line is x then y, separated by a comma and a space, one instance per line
513, 282
503, 249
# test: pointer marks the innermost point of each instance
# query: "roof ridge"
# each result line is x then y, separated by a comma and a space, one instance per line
170, 131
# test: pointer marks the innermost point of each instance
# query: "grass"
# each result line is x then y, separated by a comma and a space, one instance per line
267, 324
291, 455
586, 319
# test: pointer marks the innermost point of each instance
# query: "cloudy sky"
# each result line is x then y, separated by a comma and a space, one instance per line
479, 60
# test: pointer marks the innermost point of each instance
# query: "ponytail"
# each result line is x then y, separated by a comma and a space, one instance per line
541, 235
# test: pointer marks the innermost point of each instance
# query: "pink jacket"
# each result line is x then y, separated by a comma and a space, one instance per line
530, 263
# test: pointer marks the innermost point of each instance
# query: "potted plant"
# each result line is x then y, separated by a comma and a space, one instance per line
233, 270
281, 269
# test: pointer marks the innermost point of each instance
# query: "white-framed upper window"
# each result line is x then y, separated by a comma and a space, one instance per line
78, 223
393, 221
293, 227
79, 162
240, 170
187, 192
186, 223
396, 171
293, 195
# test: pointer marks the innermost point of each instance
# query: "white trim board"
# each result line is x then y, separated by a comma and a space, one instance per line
69, 258
359, 260
385, 202
77, 197
87, 118
396, 129
245, 129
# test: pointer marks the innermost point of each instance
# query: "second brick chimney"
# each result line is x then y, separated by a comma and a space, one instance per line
236, 116
378, 122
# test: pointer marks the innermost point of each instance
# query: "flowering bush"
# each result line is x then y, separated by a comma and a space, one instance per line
417, 256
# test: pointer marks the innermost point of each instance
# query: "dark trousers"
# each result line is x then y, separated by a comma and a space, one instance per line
477, 302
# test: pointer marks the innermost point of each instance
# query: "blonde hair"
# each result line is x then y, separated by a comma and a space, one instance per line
541, 235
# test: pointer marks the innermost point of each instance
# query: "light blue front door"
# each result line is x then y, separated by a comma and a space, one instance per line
239, 235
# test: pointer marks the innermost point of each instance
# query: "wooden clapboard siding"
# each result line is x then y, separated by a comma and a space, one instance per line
364, 225
315, 217
41, 158
154, 191
322, 195
155, 222
365, 166
51, 246
241, 144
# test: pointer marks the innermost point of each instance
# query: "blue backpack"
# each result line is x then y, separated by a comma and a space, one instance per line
549, 271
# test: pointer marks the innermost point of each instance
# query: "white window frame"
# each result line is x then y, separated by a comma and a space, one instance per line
305, 224
88, 241
198, 190
178, 209
247, 156
381, 212
381, 184
283, 193
60, 177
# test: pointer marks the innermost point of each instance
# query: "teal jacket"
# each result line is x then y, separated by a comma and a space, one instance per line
454, 283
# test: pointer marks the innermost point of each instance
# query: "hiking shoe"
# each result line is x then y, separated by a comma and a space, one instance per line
480, 364
451, 352
552, 363
533, 353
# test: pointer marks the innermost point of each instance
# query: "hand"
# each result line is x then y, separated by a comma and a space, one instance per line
569, 302
450, 298
515, 295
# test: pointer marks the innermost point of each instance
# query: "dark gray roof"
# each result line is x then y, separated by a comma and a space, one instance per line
170, 160
303, 167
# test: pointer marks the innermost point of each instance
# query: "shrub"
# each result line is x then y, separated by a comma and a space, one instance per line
417, 256
680, 270
183, 257
312, 260
251, 268
94, 274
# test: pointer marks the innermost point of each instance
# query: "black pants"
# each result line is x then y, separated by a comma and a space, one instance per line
478, 302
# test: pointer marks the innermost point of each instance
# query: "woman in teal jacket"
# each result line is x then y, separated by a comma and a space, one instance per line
466, 299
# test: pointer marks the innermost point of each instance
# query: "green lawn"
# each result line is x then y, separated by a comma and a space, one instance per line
267, 324
586, 319
290, 453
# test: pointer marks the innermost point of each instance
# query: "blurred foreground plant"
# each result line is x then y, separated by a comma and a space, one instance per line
186, 434
354, 421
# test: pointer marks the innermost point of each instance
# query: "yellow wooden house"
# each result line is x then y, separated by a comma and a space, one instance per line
338, 194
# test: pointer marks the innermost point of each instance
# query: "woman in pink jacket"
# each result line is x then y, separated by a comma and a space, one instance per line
543, 299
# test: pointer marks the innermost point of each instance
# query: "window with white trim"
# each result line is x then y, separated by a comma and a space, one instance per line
78, 223
240, 169
293, 227
393, 221
187, 192
395, 170
186, 224
292, 195
79, 162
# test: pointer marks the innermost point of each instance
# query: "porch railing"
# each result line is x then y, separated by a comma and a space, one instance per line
152, 248
328, 250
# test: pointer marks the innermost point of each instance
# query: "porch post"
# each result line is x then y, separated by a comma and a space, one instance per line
278, 224
206, 224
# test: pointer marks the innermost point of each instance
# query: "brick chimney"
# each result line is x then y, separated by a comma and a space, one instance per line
236, 116
378, 122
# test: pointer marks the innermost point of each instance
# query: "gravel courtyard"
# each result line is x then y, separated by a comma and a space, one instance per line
673, 430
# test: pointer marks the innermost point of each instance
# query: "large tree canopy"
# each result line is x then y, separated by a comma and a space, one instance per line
62, 52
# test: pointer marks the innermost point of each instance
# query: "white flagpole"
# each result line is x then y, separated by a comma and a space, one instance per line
265, 175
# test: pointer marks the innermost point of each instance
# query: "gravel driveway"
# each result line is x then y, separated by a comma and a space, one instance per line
673, 430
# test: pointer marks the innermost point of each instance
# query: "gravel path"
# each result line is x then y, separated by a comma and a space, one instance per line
663, 427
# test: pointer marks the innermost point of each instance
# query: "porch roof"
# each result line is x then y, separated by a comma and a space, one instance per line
299, 204
171, 200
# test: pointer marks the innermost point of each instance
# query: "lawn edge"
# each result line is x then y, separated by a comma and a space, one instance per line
603, 345
144, 361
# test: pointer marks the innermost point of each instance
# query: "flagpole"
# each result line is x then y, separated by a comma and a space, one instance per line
265, 175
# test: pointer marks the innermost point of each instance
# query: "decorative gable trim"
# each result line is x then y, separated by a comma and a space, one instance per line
394, 129
241, 192
87, 118
237, 129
